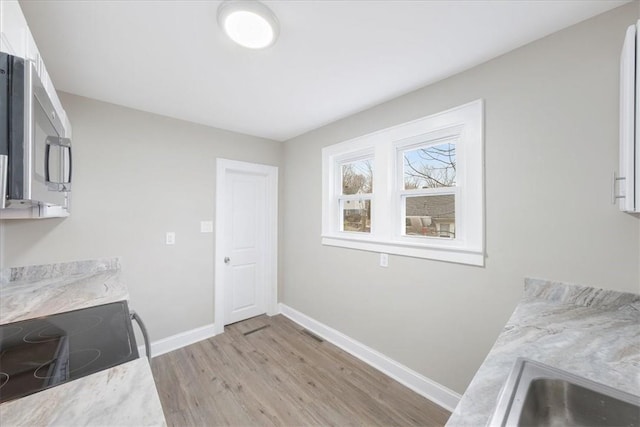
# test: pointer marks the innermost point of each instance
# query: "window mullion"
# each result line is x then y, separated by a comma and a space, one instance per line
429, 191
367, 196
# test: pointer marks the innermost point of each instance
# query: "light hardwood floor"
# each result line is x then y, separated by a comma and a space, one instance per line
279, 375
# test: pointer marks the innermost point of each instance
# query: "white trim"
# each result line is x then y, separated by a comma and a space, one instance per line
637, 121
183, 339
448, 254
271, 256
422, 385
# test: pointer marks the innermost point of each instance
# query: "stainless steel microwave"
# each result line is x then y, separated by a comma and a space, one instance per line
37, 175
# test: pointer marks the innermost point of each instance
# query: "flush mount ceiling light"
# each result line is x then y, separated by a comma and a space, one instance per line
249, 23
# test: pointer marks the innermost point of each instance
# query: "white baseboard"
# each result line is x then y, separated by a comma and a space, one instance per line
180, 340
422, 385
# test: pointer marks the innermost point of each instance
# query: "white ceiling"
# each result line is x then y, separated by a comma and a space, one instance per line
332, 59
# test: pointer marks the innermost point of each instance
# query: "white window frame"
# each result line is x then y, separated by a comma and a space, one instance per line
464, 123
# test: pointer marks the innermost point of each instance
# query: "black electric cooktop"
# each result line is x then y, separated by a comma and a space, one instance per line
36, 354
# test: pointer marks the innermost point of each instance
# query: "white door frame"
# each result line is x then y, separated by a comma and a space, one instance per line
271, 256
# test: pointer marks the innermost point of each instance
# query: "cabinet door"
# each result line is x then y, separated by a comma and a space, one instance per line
627, 180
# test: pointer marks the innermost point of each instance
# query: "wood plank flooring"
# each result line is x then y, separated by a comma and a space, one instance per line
281, 376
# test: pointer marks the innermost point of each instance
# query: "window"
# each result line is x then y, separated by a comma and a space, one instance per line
415, 189
356, 191
428, 187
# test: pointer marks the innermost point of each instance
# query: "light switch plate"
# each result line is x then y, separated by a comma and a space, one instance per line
206, 226
171, 238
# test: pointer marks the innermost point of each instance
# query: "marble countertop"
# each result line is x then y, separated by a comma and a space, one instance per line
121, 396
124, 395
42, 290
590, 332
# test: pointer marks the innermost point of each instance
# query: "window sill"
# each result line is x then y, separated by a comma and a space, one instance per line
433, 252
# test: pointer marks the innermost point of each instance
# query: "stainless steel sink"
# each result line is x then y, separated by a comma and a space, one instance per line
536, 394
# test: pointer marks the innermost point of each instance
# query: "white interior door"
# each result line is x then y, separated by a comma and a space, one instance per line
246, 239
244, 270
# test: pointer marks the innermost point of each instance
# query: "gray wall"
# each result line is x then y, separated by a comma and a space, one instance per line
551, 147
136, 176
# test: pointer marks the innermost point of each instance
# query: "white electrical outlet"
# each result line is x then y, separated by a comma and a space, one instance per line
384, 260
171, 238
206, 226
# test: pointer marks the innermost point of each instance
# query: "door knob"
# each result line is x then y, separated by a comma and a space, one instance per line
227, 260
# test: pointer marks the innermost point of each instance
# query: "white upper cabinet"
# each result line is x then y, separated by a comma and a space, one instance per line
14, 32
16, 39
626, 185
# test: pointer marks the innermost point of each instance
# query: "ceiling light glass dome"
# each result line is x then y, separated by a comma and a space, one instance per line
249, 23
